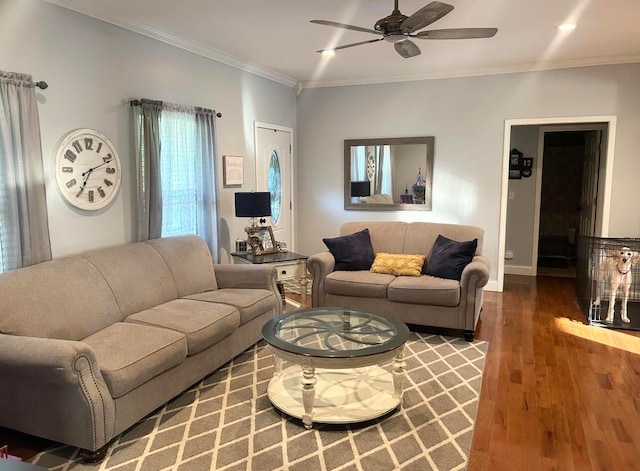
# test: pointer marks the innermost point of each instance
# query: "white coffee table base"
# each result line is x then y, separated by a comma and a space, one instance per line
341, 396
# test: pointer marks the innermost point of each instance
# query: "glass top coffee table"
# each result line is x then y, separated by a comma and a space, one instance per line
336, 375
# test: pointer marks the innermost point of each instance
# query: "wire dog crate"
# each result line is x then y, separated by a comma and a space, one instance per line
603, 264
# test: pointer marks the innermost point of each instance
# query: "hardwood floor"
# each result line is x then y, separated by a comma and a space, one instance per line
557, 394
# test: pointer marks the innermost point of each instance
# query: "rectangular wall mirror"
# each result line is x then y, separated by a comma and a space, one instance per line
388, 174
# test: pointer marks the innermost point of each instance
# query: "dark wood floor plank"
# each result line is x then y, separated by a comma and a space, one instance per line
572, 390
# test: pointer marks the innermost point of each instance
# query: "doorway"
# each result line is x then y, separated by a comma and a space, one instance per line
601, 201
274, 173
568, 196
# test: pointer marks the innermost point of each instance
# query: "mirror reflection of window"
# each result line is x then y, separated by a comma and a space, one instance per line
384, 177
358, 163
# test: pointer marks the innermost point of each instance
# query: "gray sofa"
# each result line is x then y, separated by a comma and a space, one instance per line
90, 344
424, 300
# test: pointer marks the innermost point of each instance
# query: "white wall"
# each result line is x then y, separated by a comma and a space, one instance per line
93, 70
521, 204
466, 116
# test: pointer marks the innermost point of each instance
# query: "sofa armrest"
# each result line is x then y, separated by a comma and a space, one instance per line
319, 265
478, 267
54, 389
474, 277
246, 276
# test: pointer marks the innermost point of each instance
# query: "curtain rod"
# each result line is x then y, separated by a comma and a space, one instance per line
42, 84
217, 113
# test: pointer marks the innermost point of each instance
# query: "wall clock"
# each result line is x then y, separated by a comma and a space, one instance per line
371, 166
87, 169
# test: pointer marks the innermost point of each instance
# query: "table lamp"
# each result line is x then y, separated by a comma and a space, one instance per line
254, 204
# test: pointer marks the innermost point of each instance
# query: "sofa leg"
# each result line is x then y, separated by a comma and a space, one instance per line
94, 456
469, 334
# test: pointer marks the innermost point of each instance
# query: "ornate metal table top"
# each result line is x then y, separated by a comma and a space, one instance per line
334, 333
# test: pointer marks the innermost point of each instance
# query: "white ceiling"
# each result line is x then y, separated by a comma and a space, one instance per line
274, 38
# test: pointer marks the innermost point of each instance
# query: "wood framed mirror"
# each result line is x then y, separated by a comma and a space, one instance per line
388, 174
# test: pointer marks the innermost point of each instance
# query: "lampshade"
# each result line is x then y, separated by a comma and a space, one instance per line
361, 188
253, 204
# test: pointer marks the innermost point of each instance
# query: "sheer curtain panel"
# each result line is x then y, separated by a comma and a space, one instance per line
24, 227
175, 148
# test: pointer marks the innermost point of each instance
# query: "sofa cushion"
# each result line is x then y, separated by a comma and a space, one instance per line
398, 264
202, 323
426, 290
449, 257
131, 354
358, 283
250, 302
190, 262
352, 252
386, 236
53, 299
137, 274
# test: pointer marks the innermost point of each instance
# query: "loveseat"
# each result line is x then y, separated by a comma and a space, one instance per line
423, 299
91, 343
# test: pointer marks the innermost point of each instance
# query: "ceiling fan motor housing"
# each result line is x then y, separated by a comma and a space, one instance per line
391, 24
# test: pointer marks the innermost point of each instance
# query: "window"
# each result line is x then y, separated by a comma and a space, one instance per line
176, 179
181, 172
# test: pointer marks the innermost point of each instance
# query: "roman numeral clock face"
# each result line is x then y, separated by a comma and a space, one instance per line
87, 169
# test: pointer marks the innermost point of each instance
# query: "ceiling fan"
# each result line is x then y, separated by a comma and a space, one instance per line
398, 28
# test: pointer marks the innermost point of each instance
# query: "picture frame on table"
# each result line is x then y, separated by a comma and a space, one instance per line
232, 170
262, 241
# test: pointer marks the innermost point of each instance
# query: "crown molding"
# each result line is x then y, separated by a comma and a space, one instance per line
514, 69
181, 43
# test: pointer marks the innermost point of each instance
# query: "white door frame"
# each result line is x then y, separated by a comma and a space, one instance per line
610, 120
258, 124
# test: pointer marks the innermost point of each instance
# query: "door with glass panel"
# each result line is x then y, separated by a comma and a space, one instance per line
274, 173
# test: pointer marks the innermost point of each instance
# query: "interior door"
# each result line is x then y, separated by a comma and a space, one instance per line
274, 173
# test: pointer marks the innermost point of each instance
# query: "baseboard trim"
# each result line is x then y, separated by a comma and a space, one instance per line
519, 270
492, 285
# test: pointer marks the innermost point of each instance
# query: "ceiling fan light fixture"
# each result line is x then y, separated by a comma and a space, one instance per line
567, 26
395, 38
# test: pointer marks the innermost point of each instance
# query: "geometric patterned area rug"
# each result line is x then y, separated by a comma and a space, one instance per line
226, 422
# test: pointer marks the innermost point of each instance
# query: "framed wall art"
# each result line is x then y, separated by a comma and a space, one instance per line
232, 170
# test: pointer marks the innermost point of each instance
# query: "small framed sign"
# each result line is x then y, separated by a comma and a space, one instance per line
232, 170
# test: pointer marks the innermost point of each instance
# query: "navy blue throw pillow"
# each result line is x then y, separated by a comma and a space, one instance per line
449, 257
352, 252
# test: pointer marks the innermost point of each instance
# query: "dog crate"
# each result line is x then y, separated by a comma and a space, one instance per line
599, 260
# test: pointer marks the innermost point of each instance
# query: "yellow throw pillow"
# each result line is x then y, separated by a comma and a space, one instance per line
398, 264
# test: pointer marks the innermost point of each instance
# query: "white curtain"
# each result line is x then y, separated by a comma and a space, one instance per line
175, 146
24, 227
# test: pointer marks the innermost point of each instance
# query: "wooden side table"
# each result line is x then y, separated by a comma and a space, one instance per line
289, 266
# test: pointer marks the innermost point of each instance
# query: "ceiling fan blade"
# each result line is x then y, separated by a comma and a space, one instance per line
458, 33
407, 48
351, 45
425, 16
345, 26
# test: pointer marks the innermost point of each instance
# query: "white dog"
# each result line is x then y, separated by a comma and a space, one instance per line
617, 269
